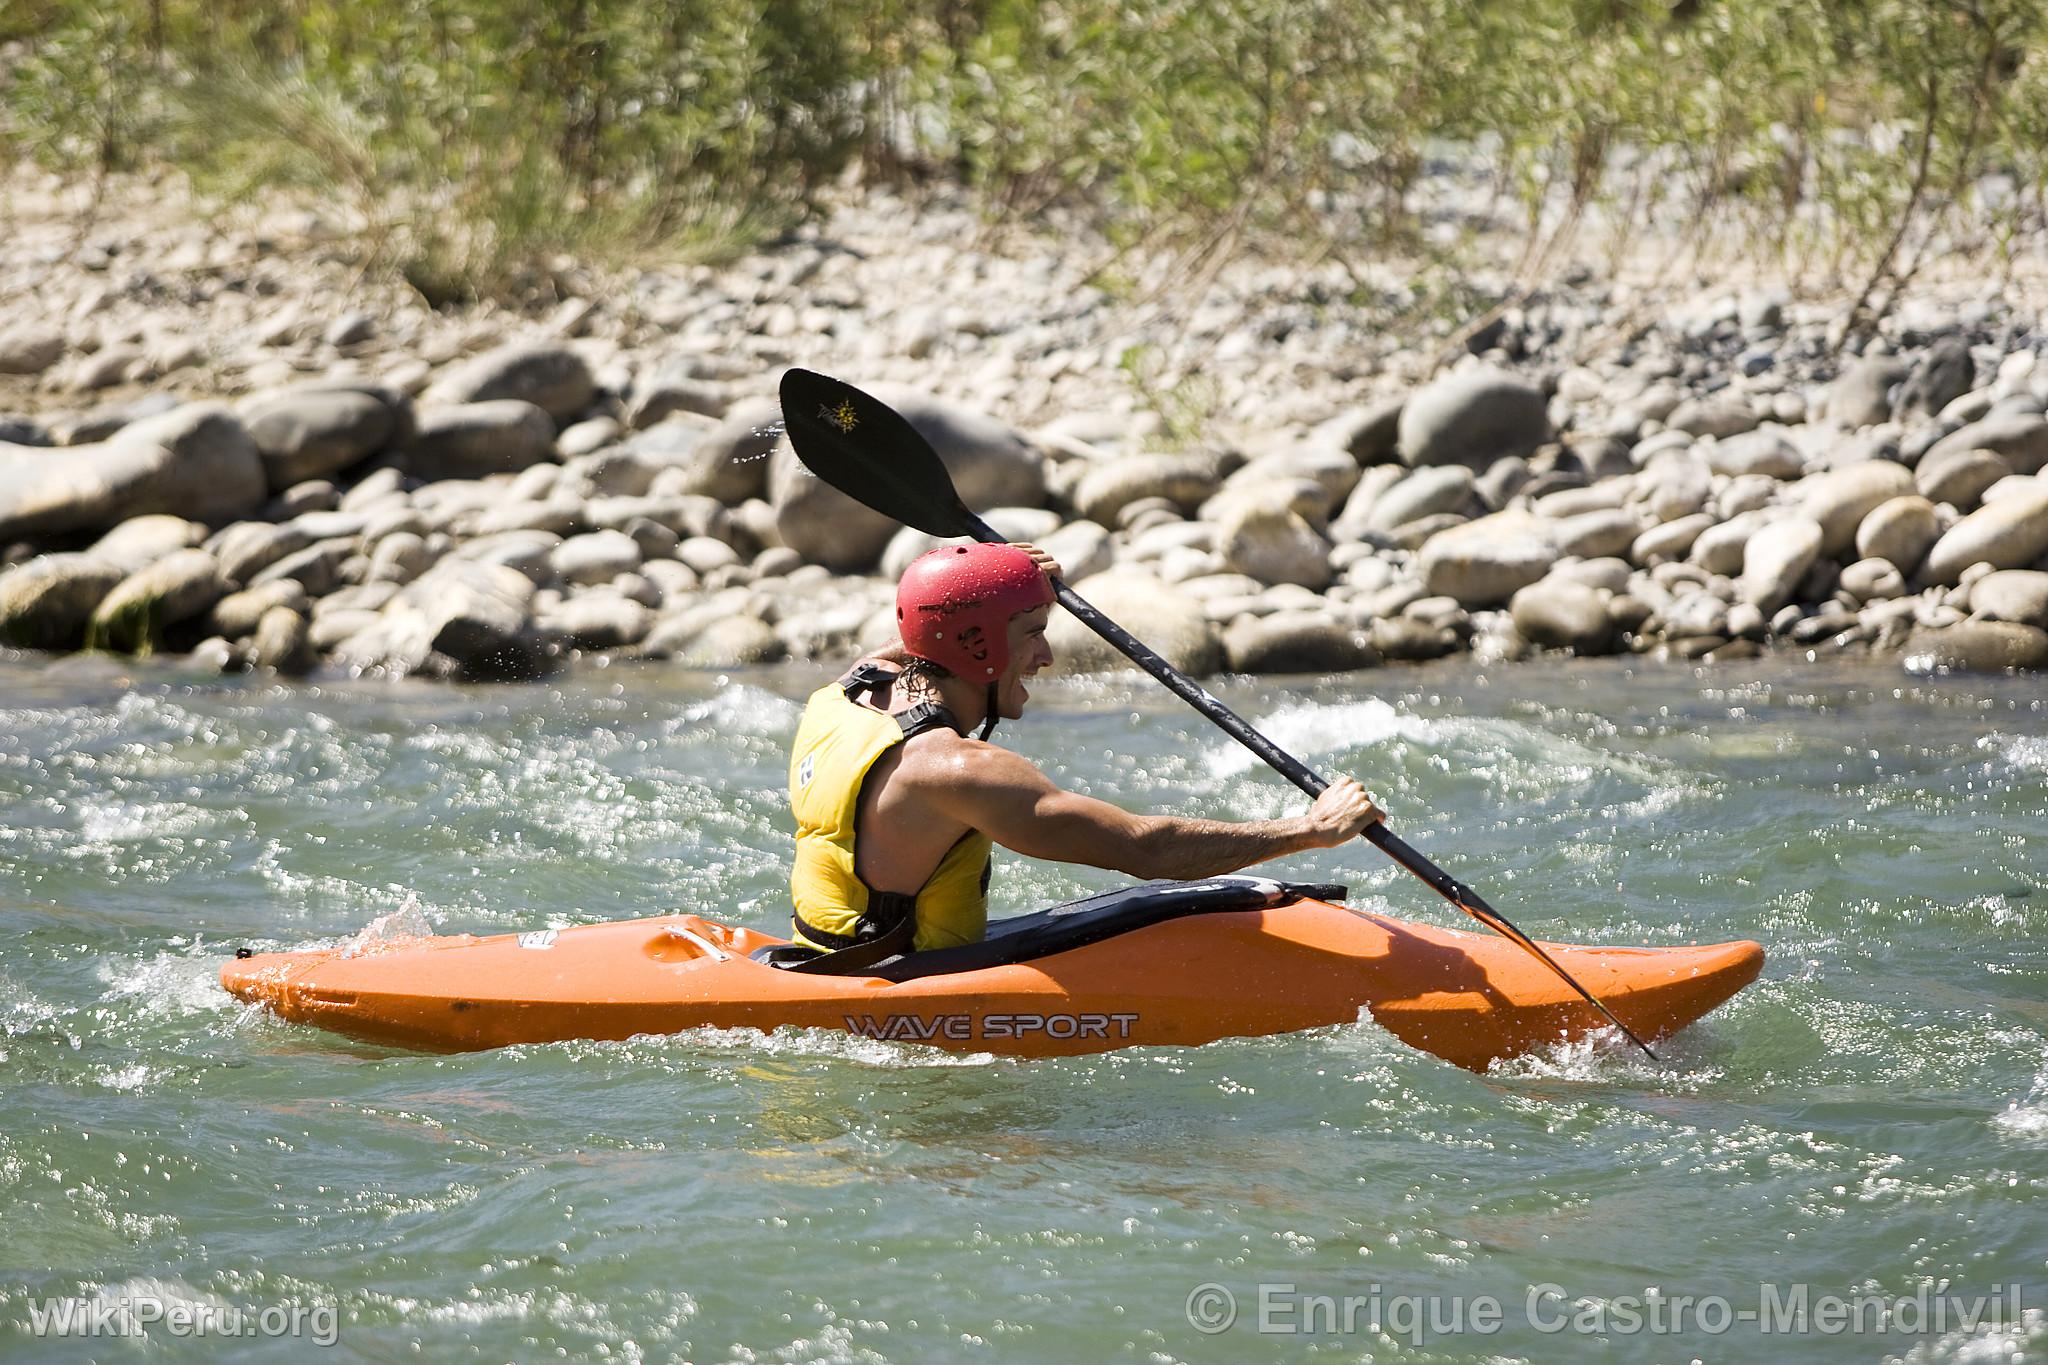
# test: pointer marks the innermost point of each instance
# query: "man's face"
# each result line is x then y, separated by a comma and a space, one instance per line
1029, 653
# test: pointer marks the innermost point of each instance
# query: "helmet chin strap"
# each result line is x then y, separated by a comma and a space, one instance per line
988, 723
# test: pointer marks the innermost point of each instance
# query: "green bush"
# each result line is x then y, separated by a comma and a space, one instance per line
478, 141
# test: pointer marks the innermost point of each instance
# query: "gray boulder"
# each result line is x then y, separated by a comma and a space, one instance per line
1672, 540
144, 540
2010, 533
1959, 477
46, 602
310, 434
735, 642
1697, 615
319, 568
238, 614
1185, 480
2012, 595
1841, 498
684, 514
682, 455
561, 515
1944, 374
665, 454
554, 378
1426, 492
1083, 549
1776, 559
1274, 545
474, 615
598, 557
586, 436
1328, 474
107, 367
330, 629
280, 642
1295, 642
597, 621
1559, 613
1472, 418
1861, 397
527, 552
676, 388
1719, 549
1764, 452
1170, 621
1900, 530
1873, 580
400, 557
30, 348
195, 462
2022, 437
1978, 647
1717, 417
1370, 435
1503, 479
730, 461
498, 436
1404, 639
1676, 484
1352, 520
1598, 534
1484, 563
247, 548
132, 617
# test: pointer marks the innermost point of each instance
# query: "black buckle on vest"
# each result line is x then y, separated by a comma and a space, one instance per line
870, 678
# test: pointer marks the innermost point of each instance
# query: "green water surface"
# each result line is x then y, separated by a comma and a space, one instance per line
1869, 1118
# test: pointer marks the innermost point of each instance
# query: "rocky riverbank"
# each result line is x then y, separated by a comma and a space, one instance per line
220, 441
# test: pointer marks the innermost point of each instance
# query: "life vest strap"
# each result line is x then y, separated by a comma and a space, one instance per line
886, 930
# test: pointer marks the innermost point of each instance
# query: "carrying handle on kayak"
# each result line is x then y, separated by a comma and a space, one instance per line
870, 452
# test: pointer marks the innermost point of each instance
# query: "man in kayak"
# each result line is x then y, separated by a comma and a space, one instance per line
897, 804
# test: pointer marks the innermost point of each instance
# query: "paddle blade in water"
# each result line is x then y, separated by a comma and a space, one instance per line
868, 451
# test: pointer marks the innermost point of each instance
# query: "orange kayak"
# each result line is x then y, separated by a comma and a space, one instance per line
1165, 964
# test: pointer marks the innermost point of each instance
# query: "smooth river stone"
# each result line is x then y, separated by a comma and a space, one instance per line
2010, 533
1900, 530
1776, 559
2012, 595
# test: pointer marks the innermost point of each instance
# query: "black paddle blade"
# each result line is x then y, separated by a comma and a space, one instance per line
868, 451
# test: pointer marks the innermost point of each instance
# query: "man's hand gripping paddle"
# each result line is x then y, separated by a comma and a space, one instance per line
868, 451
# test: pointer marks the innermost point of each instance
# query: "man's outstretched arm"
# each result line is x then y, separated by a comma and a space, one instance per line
1007, 798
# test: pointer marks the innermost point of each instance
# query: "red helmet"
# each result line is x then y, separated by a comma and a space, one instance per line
954, 606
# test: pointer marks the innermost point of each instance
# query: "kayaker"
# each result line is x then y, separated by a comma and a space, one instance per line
897, 799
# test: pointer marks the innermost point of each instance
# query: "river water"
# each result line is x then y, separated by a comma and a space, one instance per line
1869, 1120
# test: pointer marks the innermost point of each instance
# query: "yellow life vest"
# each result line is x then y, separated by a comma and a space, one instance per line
837, 743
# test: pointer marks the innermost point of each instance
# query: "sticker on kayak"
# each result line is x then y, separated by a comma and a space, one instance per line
968, 1028
537, 938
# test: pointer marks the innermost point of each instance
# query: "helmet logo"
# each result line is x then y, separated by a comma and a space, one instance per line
975, 643
842, 415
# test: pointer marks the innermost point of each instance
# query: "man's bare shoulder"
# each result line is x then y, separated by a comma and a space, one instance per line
944, 760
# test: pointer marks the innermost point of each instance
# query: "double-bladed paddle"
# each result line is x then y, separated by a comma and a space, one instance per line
868, 451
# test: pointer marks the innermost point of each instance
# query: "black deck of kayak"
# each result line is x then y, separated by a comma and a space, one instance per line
1091, 919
